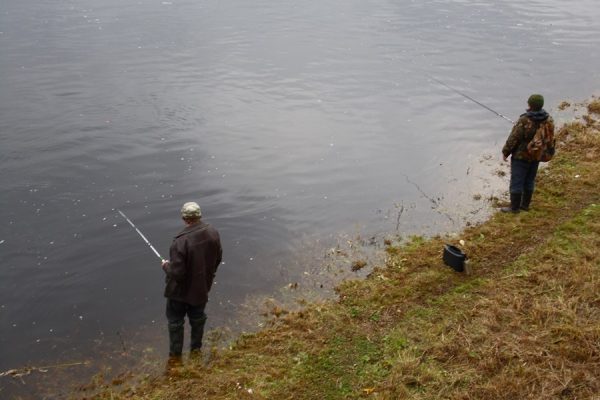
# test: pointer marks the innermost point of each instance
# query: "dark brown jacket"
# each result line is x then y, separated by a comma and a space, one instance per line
195, 256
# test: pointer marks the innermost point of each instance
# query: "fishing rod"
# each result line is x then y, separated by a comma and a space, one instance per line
141, 234
472, 99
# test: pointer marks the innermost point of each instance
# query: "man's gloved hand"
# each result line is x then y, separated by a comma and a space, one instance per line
165, 265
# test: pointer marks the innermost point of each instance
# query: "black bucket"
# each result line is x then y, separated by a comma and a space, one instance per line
454, 257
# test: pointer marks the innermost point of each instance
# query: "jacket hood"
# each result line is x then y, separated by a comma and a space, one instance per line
540, 115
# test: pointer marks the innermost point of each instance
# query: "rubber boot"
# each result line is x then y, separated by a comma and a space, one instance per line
175, 338
526, 200
197, 325
515, 203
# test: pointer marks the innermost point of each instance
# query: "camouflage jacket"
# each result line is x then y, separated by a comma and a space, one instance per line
523, 132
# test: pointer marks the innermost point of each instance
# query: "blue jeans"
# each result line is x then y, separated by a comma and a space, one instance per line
522, 175
176, 312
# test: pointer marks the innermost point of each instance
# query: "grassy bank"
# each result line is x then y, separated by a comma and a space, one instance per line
524, 322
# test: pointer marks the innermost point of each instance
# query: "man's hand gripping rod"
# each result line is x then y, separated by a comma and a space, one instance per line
142, 235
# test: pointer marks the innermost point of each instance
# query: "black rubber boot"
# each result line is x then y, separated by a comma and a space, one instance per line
175, 338
515, 203
197, 332
526, 200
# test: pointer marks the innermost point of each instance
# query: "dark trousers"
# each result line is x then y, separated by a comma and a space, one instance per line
522, 175
176, 312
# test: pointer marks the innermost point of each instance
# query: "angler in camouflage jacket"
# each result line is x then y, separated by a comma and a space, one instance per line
522, 169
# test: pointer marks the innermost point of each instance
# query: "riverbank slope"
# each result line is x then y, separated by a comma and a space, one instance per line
524, 322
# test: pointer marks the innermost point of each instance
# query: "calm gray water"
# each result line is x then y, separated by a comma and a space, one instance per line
291, 123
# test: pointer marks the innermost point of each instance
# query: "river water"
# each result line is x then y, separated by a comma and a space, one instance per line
298, 126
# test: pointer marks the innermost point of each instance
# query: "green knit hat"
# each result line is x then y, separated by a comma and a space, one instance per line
536, 102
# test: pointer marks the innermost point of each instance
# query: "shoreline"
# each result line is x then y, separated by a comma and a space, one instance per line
393, 334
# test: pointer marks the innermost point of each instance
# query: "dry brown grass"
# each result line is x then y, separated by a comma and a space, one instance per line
594, 106
564, 105
532, 332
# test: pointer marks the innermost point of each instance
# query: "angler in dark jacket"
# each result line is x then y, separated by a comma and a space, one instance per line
522, 169
195, 255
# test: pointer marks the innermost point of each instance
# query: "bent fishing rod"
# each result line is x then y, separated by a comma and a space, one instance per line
141, 234
470, 98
